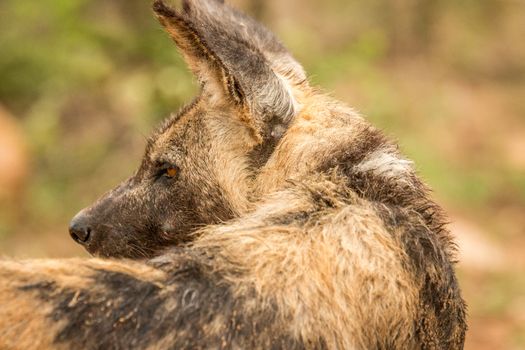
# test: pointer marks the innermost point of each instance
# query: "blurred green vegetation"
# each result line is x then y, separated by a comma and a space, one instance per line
84, 78
87, 80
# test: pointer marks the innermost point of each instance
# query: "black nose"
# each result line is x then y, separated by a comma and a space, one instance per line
80, 230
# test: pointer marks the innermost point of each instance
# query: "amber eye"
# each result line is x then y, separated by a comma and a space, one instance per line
171, 172
168, 172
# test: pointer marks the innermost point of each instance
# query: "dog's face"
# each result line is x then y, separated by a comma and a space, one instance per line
174, 191
197, 168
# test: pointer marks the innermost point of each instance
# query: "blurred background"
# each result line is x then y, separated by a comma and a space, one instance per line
83, 82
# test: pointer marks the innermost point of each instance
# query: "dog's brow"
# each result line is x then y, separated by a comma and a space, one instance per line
167, 124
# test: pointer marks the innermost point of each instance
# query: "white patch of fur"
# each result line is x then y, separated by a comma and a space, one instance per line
296, 107
385, 163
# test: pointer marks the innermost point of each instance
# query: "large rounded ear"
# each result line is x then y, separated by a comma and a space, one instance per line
237, 61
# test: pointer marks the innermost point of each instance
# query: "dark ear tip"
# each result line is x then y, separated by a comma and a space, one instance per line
162, 9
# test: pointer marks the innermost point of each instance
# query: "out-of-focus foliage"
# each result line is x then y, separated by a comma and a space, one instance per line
86, 80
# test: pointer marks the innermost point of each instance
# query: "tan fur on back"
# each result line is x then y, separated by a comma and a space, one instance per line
328, 276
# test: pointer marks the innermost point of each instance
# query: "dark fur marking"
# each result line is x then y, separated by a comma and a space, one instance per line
366, 142
274, 130
298, 218
39, 286
104, 318
123, 312
441, 306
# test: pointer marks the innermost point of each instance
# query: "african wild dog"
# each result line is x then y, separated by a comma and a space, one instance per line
293, 224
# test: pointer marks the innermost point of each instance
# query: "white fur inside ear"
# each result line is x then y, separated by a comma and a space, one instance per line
212, 88
295, 107
384, 163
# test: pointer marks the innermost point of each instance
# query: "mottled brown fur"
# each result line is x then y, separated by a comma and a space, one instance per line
292, 223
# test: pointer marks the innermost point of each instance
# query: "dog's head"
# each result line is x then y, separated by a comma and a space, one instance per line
198, 165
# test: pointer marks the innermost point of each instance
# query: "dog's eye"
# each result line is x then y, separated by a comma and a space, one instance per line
169, 172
